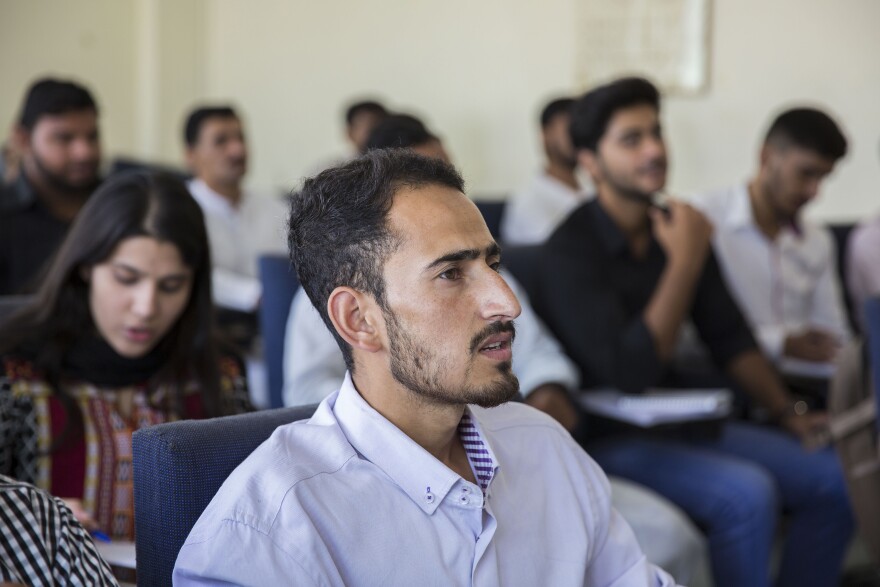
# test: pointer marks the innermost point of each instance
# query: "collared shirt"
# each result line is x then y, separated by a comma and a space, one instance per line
42, 544
863, 265
239, 235
29, 236
314, 367
593, 293
784, 285
533, 212
347, 498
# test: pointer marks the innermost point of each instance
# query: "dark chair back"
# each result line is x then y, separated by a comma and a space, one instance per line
522, 261
280, 282
178, 468
9, 305
492, 211
841, 233
872, 326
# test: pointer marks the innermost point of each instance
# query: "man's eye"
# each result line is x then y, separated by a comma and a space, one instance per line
452, 274
496, 266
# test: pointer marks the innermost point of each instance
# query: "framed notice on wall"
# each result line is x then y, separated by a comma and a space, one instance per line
666, 41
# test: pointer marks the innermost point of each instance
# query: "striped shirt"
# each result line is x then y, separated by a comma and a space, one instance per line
479, 458
42, 544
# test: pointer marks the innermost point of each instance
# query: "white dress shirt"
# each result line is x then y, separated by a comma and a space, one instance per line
863, 265
782, 286
346, 498
314, 367
533, 212
238, 236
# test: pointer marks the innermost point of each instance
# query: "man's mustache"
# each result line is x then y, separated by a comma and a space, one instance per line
492, 329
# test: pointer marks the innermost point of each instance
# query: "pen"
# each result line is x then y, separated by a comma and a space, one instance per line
100, 536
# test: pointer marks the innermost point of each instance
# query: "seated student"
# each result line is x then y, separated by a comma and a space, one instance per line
43, 544
617, 280
361, 118
782, 270
241, 225
57, 138
118, 337
403, 476
533, 212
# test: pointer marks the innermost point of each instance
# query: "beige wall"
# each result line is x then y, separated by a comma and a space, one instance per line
477, 71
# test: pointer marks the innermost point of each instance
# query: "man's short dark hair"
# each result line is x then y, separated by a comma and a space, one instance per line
399, 131
51, 97
197, 118
339, 233
592, 112
810, 129
364, 107
554, 109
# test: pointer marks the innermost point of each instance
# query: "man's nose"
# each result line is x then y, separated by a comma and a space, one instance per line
500, 301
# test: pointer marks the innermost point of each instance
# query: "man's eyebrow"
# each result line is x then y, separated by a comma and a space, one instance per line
492, 250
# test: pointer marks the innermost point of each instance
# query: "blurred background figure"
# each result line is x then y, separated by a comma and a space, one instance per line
58, 142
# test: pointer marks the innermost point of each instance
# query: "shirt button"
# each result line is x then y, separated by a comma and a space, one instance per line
429, 497
463, 499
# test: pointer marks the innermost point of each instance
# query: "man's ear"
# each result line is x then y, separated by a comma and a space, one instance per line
353, 314
189, 156
590, 163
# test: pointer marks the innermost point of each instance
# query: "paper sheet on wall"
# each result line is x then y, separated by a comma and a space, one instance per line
666, 41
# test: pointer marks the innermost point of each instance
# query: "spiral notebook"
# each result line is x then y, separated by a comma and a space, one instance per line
659, 406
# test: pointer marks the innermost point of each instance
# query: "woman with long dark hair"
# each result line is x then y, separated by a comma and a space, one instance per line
119, 336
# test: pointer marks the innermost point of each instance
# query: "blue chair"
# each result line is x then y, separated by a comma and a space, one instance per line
178, 468
523, 262
492, 211
280, 282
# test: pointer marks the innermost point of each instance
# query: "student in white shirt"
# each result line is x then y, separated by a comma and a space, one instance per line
782, 270
241, 225
533, 212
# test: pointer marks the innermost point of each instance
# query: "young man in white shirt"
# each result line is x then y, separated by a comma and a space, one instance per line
405, 475
241, 225
782, 270
533, 212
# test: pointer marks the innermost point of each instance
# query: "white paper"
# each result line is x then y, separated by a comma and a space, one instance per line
659, 406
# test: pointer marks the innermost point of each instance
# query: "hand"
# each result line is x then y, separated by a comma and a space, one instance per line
684, 233
811, 428
811, 345
82, 516
552, 399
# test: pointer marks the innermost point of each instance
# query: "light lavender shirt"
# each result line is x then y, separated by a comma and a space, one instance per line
346, 498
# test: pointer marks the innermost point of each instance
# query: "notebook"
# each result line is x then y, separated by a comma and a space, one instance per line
659, 406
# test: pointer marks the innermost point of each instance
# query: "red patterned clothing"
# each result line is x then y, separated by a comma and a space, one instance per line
94, 466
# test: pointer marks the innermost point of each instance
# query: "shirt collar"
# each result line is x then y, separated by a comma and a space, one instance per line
742, 215
417, 472
210, 200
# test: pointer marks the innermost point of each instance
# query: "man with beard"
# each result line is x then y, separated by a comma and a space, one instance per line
57, 138
533, 212
619, 278
404, 476
783, 271
241, 225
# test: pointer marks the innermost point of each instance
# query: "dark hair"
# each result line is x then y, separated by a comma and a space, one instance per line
128, 205
339, 233
399, 131
555, 108
197, 118
591, 112
809, 129
363, 107
49, 96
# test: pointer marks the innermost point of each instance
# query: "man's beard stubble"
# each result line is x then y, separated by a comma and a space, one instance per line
420, 371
